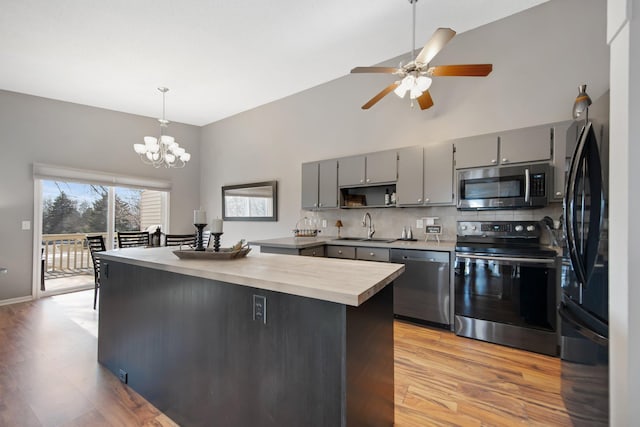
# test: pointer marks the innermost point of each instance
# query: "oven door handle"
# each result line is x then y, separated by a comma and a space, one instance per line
527, 185
504, 258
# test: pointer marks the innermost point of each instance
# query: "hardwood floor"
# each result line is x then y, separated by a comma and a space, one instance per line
442, 379
49, 376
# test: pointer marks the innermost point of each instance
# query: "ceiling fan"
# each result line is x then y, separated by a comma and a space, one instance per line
416, 74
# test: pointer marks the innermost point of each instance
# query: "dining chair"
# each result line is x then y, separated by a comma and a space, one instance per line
96, 244
130, 239
180, 239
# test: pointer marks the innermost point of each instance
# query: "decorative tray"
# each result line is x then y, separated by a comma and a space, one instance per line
224, 253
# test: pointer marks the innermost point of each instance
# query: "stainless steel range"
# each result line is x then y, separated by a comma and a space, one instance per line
506, 285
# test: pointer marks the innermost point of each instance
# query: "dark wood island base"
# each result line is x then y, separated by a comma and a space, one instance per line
191, 347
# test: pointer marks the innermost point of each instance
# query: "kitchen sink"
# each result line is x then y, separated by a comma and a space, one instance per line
364, 239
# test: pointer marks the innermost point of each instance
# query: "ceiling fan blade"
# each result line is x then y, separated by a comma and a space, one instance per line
441, 37
425, 101
387, 70
472, 70
380, 95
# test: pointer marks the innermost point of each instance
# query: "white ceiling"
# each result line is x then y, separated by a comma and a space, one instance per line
219, 58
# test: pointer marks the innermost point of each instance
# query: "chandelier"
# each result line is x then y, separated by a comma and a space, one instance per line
163, 151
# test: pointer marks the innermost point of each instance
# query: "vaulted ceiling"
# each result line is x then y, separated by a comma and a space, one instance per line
219, 58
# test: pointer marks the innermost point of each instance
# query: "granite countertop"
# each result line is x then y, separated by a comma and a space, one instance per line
307, 242
341, 281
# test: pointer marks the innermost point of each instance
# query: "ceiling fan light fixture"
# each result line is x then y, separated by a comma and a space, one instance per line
415, 92
424, 83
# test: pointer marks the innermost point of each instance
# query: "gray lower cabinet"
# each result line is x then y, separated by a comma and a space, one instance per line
372, 254
320, 184
347, 252
358, 252
317, 251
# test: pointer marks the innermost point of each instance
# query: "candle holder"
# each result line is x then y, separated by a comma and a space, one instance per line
199, 239
216, 241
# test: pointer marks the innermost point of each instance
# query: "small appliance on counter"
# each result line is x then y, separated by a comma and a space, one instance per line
505, 285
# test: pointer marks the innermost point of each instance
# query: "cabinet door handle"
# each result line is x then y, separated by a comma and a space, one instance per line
340, 252
313, 253
319, 204
505, 160
493, 161
368, 179
419, 200
361, 181
426, 200
371, 254
315, 205
558, 193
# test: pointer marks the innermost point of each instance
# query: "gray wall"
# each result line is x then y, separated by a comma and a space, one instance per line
46, 131
539, 56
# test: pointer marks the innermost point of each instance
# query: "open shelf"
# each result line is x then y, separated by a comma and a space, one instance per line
366, 197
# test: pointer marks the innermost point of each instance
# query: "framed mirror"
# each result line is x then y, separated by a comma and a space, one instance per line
256, 201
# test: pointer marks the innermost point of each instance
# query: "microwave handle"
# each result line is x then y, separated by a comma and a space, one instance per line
527, 185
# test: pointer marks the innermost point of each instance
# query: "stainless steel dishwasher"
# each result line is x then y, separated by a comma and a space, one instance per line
422, 292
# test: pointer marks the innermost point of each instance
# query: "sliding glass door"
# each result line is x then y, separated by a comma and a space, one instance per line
72, 210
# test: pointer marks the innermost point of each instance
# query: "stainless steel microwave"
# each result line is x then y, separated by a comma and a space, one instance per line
513, 187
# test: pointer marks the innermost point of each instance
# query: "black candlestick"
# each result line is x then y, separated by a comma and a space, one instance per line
199, 240
216, 241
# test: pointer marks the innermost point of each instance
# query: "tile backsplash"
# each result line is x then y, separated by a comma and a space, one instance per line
388, 222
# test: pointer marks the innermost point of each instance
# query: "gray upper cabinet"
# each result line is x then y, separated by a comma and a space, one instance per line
328, 184
382, 167
476, 151
310, 181
351, 171
409, 191
532, 144
374, 168
320, 184
438, 174
525, 145
565, 135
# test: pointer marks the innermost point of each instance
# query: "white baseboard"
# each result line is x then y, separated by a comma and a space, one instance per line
16, 300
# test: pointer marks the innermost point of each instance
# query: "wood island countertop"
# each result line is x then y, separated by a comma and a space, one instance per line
341, 281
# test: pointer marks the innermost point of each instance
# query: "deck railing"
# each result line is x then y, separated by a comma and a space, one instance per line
66, 254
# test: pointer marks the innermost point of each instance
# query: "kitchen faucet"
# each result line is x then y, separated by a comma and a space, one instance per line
370, 230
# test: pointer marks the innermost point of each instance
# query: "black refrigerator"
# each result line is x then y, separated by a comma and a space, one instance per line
583, 307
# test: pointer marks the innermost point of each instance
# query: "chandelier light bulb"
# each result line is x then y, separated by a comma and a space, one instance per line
163, 151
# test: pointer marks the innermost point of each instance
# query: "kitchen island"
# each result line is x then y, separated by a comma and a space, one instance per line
267, 340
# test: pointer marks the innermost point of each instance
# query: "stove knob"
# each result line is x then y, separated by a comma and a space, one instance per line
531, 228
519, 228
